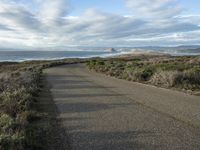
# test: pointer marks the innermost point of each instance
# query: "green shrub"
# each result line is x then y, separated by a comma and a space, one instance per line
100, 63
17, 88
15, 101
5, 122
146, 73
12, 142
179, 72
19, 83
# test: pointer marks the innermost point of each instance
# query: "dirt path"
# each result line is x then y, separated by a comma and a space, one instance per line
103, 113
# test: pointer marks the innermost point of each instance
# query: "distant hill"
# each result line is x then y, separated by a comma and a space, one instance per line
197, 50
182, 47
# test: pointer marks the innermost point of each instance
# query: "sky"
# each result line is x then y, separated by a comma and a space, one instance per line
97, 23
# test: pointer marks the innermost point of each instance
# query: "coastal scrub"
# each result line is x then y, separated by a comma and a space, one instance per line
170, 72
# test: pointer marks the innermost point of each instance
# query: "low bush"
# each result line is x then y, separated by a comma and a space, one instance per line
179, 72
165, 78
16, 97
19, 87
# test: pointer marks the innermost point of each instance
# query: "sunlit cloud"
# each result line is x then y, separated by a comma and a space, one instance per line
49, 23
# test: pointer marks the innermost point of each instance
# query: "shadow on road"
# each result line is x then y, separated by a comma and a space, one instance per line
78, 103
54, 135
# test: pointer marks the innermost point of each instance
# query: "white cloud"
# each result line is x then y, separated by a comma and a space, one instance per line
53, 10
160, 9
50, 25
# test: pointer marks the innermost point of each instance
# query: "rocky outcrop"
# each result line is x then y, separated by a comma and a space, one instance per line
111, 50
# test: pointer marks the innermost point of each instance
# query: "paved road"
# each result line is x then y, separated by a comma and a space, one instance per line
104, 113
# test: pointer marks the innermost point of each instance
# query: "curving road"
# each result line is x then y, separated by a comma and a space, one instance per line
104, 113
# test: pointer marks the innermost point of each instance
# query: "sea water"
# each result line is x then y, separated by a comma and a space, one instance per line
18, 55
49, 55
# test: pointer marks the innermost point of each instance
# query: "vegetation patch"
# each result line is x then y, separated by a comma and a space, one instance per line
165, 71
21, 126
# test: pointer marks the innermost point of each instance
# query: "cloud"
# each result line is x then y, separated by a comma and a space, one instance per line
161, 9
4, 27
48, 24
18, 17
53, 10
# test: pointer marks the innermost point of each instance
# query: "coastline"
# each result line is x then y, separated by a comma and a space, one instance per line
23, 56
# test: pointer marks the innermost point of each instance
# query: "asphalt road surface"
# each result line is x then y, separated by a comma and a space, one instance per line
103, 113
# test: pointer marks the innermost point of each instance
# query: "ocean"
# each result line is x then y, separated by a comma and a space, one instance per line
19, 56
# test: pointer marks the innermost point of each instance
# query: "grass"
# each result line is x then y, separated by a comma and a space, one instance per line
166, 71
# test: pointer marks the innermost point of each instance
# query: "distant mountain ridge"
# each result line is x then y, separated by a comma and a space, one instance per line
162, 49
181, 47
197, 50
